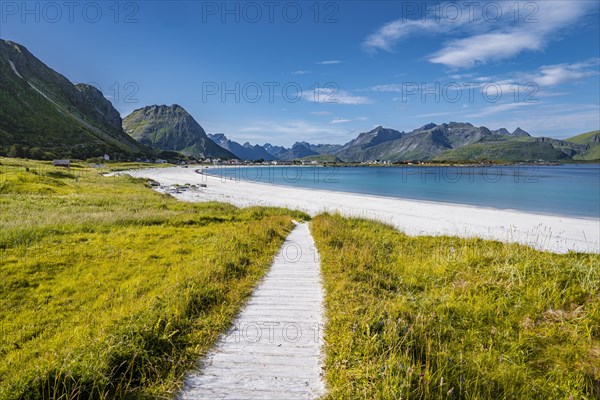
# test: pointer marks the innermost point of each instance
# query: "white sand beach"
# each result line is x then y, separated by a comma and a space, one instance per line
546, 232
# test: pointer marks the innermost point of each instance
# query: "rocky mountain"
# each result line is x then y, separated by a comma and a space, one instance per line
275, 151
172, 128
300, 150
242, 152
322, 148
44, 115
460, 141
365, 146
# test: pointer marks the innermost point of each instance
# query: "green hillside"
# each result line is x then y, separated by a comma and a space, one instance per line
586, 138
511, 150
591, 139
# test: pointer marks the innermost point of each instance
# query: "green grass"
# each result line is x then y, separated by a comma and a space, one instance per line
443, 317
111, 290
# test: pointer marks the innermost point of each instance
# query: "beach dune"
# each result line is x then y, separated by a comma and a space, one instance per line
544, 232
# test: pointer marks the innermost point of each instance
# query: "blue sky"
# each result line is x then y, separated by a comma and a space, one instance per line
329, 70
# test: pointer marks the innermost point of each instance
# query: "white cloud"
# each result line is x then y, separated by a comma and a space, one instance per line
339, 121
474, 50
328, 62
389, 34
334, 96
301, 72
543, 78
391, 87
551, 75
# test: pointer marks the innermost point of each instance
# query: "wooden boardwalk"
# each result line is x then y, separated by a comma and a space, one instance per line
273, 350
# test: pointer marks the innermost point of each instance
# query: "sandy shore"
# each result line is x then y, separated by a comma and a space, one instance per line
546, 232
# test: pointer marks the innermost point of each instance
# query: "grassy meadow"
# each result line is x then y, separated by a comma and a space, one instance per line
109, 289
451, 318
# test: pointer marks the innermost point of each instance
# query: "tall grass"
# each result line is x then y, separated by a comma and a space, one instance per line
445, 318
111, 290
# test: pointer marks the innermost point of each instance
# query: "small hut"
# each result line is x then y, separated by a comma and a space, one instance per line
62, 163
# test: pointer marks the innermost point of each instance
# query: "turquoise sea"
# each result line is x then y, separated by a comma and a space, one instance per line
572, 190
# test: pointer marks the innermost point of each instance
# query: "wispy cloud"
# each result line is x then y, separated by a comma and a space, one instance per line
339, 121
543, 78
498, 108
328, 62
484, 40
301, 72
389, 34
552, 75
480, 49
438, 114
390, 87
334, 96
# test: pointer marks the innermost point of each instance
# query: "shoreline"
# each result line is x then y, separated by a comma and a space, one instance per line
432, 202
554, 233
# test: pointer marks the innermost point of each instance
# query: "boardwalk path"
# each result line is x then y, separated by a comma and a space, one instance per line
274, 348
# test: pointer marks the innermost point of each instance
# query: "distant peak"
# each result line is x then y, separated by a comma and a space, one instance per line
218, 136
520, 132
427, 127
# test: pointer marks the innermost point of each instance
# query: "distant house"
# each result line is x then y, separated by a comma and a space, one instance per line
62, 163
282, 162
160, 161
106, 157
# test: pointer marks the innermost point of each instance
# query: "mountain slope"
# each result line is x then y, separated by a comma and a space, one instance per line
591, 141
172, 128
363, 147
42, 111
242, 152
322, 148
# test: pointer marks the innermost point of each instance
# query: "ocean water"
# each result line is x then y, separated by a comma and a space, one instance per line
571, 190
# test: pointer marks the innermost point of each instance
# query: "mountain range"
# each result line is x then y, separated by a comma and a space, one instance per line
242, 152
453, 141
43, 115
